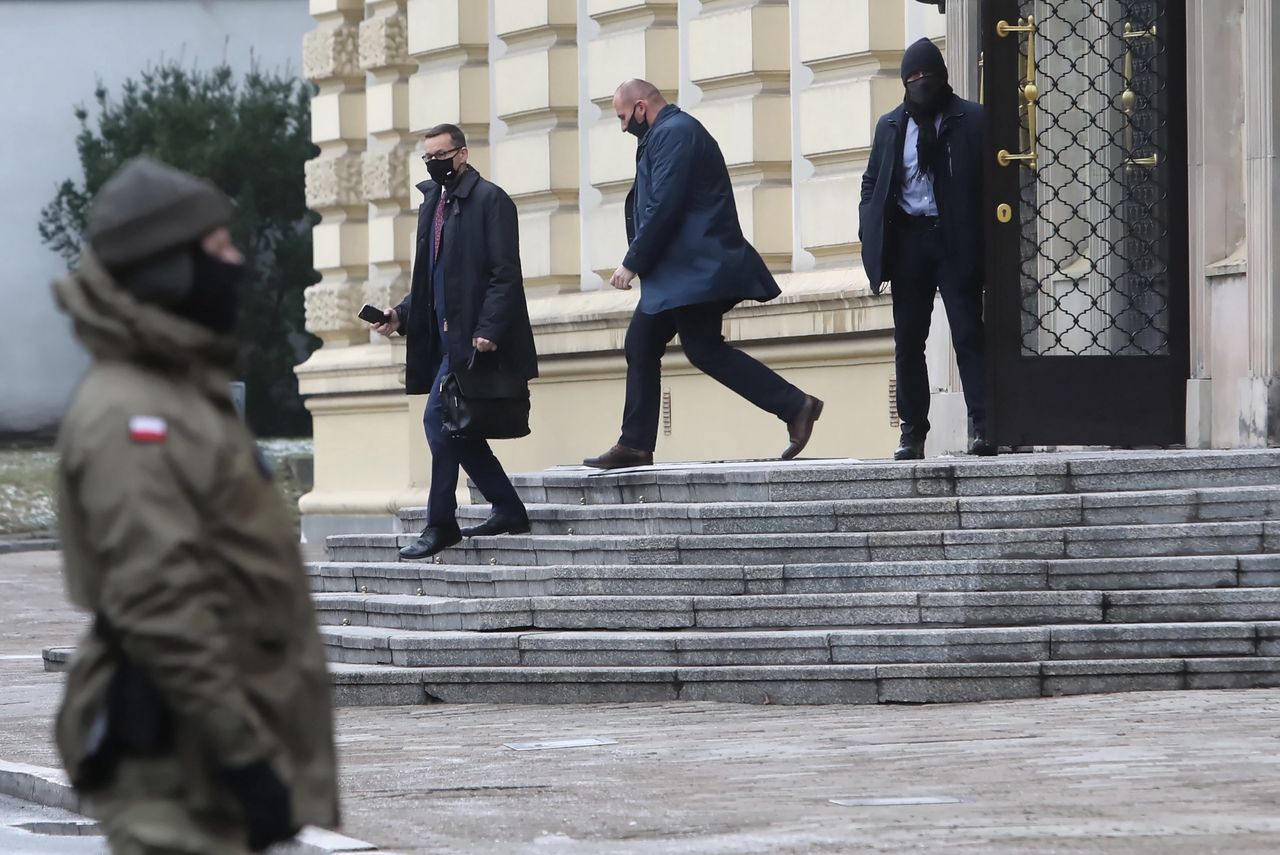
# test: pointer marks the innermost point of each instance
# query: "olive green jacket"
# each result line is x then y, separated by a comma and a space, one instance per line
172, 530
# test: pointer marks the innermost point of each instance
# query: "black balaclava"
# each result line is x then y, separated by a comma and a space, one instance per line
927, 97
214, 298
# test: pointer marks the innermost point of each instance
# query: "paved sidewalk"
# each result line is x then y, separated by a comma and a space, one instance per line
1167, 773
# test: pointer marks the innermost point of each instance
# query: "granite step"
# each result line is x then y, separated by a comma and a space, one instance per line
1063, 574
915, 683
694, 648
776, 611
1214, 504
1217, 538
825, 480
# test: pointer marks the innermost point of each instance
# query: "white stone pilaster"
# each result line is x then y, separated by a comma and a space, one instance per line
1260, 399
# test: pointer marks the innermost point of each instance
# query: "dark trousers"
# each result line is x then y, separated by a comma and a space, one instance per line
701, 336
921, 270
473, 455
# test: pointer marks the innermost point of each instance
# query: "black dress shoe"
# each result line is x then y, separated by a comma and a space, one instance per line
434, 539
910, 448
800, 426
620, 457
498, 524
981, 447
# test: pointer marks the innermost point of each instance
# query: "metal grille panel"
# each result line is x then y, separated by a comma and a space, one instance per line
1095, 218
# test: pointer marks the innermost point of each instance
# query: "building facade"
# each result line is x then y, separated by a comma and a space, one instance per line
1174, 129
40, 361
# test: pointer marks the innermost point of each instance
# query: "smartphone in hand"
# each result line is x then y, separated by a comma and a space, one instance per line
373, 315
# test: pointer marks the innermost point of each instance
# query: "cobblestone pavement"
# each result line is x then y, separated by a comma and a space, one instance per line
1186, 773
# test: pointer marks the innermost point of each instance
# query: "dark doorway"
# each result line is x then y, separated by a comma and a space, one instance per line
1086, 191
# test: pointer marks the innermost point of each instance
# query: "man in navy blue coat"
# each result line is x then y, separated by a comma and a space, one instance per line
687, 247
921, 229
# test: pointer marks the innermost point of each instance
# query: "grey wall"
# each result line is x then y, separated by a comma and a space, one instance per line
52, 54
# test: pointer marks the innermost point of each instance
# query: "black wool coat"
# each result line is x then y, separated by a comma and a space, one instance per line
483, 284
957, 187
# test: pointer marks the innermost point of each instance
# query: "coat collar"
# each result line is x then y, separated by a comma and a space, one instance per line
665, 114
461, 190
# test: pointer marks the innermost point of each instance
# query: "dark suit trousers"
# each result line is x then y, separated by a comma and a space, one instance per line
473, 455
701, 336
920, 271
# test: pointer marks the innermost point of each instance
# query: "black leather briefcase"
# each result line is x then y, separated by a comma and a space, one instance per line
485, 401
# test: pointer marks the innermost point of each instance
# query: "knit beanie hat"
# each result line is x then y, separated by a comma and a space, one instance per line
143, 223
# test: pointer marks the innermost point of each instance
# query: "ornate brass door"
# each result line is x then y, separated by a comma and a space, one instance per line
1087, 285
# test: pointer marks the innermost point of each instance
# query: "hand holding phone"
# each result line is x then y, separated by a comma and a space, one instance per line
373, 315
384, 322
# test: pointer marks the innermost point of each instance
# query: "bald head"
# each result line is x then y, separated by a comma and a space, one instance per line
638, 102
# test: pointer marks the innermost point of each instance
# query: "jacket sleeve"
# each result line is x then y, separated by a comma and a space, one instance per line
402, 313
506, 282
163, 598
871, 174
672, 171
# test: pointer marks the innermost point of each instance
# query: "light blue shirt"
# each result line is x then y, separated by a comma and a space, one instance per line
917, 198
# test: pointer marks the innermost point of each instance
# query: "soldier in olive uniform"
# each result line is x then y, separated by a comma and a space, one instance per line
197, 713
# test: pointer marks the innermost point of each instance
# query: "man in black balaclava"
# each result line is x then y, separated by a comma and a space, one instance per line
921, 229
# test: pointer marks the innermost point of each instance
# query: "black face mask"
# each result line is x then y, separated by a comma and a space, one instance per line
442, 171
926, 90
214, 298
635, 127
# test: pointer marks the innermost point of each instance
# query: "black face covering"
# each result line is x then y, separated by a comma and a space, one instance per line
635, 127
442, 171
926, 92
214, 298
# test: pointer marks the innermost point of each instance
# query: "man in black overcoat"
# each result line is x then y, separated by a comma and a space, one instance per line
467, 298
921, 229
687, 247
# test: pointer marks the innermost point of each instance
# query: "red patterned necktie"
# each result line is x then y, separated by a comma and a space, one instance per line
437, 226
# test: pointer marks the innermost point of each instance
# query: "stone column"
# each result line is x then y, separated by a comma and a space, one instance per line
536, 159
1260, 392
637, 38
335, 182
964, 46
384, 54
853, 48
740, 59
1217, 198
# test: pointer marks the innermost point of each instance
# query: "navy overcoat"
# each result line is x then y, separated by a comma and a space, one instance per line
688, 246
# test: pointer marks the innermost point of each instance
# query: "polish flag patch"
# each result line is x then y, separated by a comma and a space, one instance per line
148, 429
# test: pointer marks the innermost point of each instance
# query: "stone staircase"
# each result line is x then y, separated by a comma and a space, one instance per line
829, 582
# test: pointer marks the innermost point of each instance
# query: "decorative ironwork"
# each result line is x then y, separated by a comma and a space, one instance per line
1095, 206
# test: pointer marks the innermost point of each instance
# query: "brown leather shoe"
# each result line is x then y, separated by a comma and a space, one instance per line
620, 457
800, 428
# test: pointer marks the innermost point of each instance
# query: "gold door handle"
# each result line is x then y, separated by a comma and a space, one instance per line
1129, 98
1029, 91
